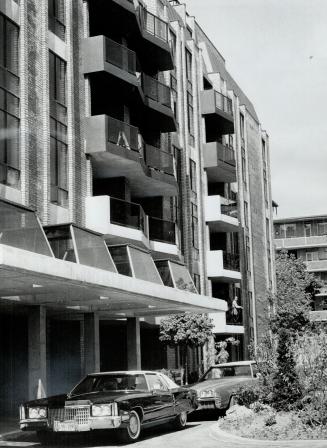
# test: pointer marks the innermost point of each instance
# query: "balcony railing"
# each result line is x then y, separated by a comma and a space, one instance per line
163, 231
229, 209
234, 317
223, 103
127, 214
159, 159
226, 154
156, 90
153, 25
231, 261
123, 134
121, 56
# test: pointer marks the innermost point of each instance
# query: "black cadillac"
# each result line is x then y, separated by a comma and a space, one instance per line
125, 401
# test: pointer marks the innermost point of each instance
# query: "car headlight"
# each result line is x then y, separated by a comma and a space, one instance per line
104, 410
207, 393
37, 412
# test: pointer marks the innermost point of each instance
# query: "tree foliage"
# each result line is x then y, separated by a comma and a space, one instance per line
186, 330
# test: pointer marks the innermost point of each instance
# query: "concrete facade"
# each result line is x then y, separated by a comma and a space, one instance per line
129, 127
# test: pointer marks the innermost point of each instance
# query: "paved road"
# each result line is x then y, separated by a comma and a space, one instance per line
197, 434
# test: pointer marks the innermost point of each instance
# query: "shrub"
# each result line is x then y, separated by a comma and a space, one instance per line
248, 394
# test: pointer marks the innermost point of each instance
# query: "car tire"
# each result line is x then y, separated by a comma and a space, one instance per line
132, 432
181, 420
45, 437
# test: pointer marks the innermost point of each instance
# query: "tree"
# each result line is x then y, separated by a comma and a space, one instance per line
222, 354
290, 316
186, 330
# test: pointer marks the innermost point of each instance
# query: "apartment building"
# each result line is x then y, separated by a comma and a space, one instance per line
134, 183
306, 237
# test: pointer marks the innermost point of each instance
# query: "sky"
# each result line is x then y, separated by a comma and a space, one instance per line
276, 50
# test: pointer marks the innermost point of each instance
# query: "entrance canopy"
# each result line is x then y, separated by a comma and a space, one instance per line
93, 280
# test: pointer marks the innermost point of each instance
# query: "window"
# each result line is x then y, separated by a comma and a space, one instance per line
307, 229
58, 131
173, 87
9, 104
195, 233
246, 214
248, 255
155, 382
188, 55
56, 13
197, 282
190, 118
322, 228
193, 175
309, 256
267, 232
322, 254
290, 230
244, 175
242, 130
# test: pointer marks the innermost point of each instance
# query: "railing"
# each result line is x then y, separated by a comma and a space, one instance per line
234, 317
226, 154
123, 134
229, 209
127, 214
156, 90
231, 261
121, 56
163, 231
223, 103
153, 25
159, 159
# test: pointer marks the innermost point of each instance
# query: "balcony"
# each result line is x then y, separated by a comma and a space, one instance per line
223, 266
316, 265
110, 63
224, 324
154, 48
160, 160
163, 236
217, 109
117, 150
220, 215
158, 101
219, 162
121, 220
299, 242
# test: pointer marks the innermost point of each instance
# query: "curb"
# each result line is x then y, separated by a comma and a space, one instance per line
11, 434
221, 434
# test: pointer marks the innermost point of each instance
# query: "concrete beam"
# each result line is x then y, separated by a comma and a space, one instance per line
133, 344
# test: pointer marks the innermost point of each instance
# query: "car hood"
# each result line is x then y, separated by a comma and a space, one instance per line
220, 383
92, 397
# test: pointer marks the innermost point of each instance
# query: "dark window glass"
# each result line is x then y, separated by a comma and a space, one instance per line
56, 10
193, 175
195, 235
197, 282
58, 131
9, 104
120, 256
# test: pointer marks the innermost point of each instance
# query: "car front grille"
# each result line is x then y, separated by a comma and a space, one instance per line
79, 414
206, 404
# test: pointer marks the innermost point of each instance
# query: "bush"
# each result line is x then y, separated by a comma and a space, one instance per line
248, 394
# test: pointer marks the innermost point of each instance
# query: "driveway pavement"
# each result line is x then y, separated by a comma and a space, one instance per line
197, 434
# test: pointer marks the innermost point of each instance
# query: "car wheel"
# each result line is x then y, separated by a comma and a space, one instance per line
45, 437
132, 432
181, 420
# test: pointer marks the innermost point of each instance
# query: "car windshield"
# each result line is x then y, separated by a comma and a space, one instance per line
227, 371
111, 382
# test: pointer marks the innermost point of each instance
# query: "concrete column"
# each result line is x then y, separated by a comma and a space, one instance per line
37, 352
133, 344
91, 343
